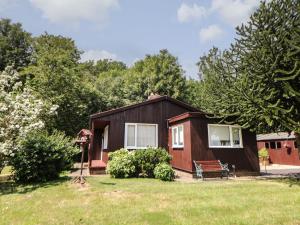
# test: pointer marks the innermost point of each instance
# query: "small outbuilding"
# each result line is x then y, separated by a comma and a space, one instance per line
282, 147
184, 131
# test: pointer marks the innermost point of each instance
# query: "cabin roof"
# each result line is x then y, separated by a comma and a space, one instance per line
275, 136
185, 115
149, 101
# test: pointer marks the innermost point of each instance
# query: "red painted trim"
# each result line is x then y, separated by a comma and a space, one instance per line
185, 116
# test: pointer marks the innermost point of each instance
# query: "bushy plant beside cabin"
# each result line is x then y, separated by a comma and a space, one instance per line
121, 164
147, 159
164, 171
139, 163
42, 157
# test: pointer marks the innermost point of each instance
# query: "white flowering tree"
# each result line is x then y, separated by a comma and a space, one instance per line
20, 112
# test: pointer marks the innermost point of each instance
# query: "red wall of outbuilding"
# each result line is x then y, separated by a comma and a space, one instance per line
283, 155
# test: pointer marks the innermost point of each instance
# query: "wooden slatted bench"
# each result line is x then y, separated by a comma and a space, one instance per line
211, 166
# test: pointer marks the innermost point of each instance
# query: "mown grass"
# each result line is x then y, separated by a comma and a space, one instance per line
149, 201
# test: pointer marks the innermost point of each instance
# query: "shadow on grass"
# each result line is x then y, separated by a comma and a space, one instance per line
107, 183
290, 180
10, 187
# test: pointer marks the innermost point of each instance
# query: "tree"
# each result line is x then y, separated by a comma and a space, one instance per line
21, 112
55, 75
160, 74
256, 81
15, 45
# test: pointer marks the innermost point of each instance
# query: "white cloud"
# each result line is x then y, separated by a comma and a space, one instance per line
209, 33
187, 13
95, 55
234, 12
74, 11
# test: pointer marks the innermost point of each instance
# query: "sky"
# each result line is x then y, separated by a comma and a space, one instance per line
127, 30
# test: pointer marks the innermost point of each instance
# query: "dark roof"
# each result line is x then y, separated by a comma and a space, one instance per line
158, 99
275, 136
185, 116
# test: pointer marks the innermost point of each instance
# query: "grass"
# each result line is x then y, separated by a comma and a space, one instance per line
147, 201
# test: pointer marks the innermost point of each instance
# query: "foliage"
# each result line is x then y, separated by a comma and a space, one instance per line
121, 164
256, 82
21, 112
164, 171
42, 157
263, 153
56, 77
15, 45
147, 159
159, 73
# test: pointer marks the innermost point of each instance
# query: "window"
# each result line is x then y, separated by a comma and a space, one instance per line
224, 136
177, 136
278, 144
267, 145
272, 145
105, 137
295, 144
140, 135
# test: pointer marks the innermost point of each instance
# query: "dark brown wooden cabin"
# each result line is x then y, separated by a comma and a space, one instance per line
281, 146
109, 128
153, 123
205, 139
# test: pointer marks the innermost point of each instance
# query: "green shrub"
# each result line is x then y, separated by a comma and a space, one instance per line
164, 171
121, 164
2, 161
42, 157
147, 159
124, 163
263, 154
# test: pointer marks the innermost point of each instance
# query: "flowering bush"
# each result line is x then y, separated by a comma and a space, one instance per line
164, 171
124, 163
147, 159
41, 157
121, 164
20, 112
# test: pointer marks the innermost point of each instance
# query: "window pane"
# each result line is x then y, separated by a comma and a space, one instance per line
236, 136
175, 136
272, 145
180, 133
146, 135
219, 136
130, 135
278, 144
105, 137
267, 145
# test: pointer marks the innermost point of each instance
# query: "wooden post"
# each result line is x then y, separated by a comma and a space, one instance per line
82, 159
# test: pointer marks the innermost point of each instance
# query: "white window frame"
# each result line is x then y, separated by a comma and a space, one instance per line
230, 135
105, 137
178, 136
135, 136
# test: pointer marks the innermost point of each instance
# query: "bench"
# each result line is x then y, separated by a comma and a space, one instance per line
211, 166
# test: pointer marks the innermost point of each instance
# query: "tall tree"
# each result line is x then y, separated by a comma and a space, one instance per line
256, 82
15, 45
56, 77
160, 73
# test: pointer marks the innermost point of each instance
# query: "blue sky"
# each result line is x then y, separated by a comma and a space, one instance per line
127, 30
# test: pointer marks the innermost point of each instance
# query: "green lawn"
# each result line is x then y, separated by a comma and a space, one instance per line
148, 201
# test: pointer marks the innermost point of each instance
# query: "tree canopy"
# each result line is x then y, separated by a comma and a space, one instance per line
15, 45
256, 81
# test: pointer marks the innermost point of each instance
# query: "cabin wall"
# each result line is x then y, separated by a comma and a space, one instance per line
182, 157
283, 155
244, 159
156, 113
